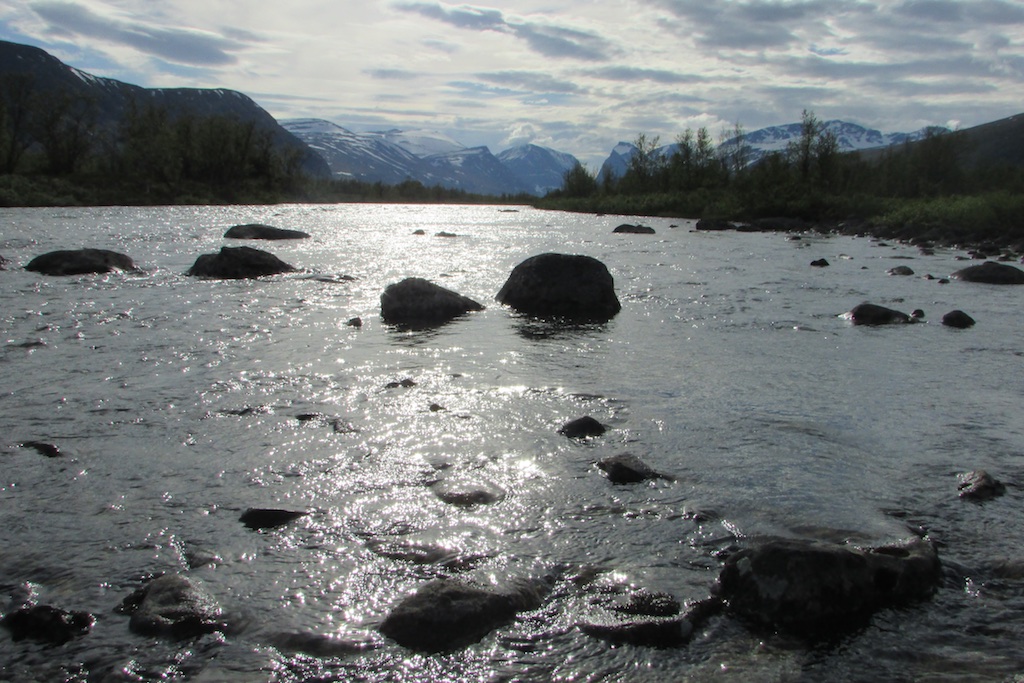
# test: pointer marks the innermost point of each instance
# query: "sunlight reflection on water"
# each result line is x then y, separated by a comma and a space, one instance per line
181, 402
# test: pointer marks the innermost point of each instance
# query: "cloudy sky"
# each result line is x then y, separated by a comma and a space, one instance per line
576, 75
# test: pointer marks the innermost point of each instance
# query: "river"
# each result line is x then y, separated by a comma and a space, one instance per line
178, 402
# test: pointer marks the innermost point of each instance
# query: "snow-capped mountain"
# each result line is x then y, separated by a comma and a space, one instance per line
432, 159
850, 137
477, 170
618, 160
422, 143
542, 169
357, 156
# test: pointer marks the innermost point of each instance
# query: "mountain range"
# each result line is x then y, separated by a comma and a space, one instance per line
850, 137
394, 156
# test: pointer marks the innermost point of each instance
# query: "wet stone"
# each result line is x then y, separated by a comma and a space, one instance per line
268, 518
47, 624
627, 468
582, 427
979, 485
173, 606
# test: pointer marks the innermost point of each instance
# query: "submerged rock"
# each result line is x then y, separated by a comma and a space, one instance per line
561, 285
958, 319
821, 590
80, 262
47, 624
873, 314
628, 228
234, 263
257, 231
979, 485
447, 613
467, 492
582, 427
627, 468
173, 606
321, 645
991, 273
264, 518
621, 613
644, 632
415, 301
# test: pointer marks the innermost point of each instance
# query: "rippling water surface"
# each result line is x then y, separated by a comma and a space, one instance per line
178, 402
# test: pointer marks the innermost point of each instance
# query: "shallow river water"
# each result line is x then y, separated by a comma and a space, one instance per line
178, 402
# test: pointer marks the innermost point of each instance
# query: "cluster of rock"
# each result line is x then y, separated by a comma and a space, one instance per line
808, 588
230, 263
989, 272
570, 287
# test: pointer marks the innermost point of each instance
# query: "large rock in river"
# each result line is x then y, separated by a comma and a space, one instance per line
415, 301
958, 319
561, 285
873, 314
447, 613
239, 262
80, 262
821, 590
256, 231
991, 273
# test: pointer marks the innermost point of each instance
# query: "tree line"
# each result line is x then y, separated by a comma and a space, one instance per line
56, 148
920, 186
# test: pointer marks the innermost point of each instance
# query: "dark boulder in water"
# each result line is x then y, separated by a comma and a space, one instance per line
627, 468
991, 273
873, 314
42, 448
630, 229
562, 285
80, 262
822, 590
418, 302
47, 624
900, 270
958, 319
234, 263
256, 231
714, 224
268, 518
447, 614
820, 263
980, 485
582, 427
173, 606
